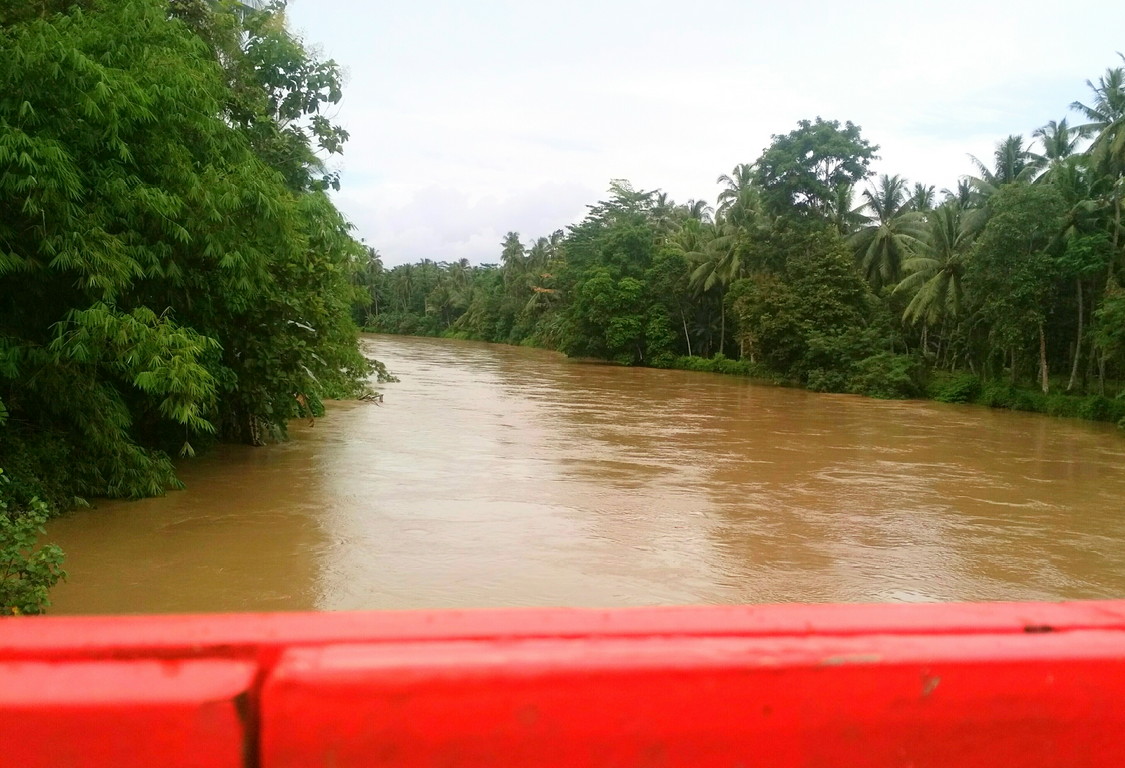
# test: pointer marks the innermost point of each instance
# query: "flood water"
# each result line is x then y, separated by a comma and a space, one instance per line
500, 476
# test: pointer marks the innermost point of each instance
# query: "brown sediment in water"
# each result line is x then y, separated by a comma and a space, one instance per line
502, 476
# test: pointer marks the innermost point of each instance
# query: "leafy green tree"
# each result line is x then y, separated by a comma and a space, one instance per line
801, 171
165, 275
669, 281
607, 319
1085, 258
1012, 269
807, 317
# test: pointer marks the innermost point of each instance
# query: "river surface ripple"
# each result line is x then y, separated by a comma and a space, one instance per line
502, 476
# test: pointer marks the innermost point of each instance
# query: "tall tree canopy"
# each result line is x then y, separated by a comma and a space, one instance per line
802, 171
170, 265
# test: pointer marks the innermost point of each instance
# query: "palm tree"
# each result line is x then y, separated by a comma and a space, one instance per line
922, 198
1106, 124
1059, 141
539, 277
844, 217
713, 250
513, 258
1106, 116
404, 285
737, 186
538, 256
934, 273
962, 194
894, 233
1013, 162
662, 211
698, 210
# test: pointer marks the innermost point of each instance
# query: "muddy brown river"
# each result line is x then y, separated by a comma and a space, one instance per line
501, 476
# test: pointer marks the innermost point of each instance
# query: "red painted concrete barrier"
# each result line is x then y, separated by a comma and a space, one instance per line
936, 685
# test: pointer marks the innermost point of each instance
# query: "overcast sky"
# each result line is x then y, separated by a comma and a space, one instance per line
475, 117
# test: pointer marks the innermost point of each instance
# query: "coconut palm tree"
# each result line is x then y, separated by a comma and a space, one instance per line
934, 273
1059, 141
714, 251
736, 186
1106, 116
893, 234
962, 194
844, 217
922, 197
1013, 162
698, 210
513, 257
662, 211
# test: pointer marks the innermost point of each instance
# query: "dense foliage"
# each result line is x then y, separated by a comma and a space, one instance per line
1003, 291
172, 270
27, 570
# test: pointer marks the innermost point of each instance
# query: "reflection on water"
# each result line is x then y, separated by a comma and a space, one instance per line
499, 476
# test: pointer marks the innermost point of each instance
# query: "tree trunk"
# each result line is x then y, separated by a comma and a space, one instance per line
687, 337
1013, 371
1044, 382
1116, 222
722, 324
1078, 341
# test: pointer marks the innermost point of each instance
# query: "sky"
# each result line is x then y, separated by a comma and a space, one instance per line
473, 118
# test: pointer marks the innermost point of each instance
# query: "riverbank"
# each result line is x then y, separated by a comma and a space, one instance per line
946, 387
900, 379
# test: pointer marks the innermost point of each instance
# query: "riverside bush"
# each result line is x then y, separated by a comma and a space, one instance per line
717, 364
27, 571
953, 387
886, 376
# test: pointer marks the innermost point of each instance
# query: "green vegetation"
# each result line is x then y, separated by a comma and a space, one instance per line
172, 270
27, 573
1005, 292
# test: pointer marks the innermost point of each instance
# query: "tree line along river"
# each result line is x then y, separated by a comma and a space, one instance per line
504, 476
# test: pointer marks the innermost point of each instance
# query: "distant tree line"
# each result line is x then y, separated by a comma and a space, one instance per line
1003, 290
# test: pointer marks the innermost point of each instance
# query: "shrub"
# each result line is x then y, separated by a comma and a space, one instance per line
953, 387
1063, 405
995, 394
821, 380
885, 375
1098, 408
26, 573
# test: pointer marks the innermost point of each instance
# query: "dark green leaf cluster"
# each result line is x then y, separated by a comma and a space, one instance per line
171, 269
27, 570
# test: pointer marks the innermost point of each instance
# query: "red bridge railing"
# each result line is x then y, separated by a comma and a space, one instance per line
777, 686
